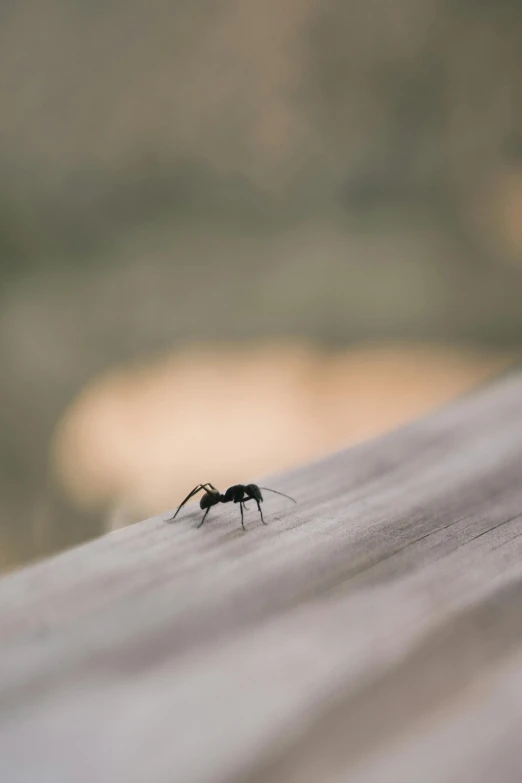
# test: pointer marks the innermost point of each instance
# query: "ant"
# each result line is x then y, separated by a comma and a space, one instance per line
239, 493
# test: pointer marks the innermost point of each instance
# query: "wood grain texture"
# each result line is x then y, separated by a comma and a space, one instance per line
371, 633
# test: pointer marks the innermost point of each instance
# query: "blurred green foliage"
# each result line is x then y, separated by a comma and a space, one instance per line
176, 171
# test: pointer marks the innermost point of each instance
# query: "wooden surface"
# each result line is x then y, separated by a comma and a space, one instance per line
373, 632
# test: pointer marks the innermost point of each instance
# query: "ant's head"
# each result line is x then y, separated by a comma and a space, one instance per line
254, 491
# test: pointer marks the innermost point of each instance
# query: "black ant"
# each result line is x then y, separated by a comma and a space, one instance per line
239, 493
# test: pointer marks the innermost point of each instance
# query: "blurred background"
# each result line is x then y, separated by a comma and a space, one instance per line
235, 236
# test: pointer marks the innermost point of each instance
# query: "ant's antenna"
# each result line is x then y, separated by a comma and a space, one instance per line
267, 489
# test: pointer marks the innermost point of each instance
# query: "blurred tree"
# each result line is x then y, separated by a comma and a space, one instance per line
356, 165
420, 103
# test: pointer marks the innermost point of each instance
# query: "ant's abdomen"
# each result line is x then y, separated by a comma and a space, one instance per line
206, 501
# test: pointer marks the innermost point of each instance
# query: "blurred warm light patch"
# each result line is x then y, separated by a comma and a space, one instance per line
140, 437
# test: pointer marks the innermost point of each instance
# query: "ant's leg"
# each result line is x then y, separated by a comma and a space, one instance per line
242, 522
208, 484
204, 517
259, 507
196, 489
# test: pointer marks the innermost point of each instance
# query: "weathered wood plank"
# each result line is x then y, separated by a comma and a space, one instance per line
371, 633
